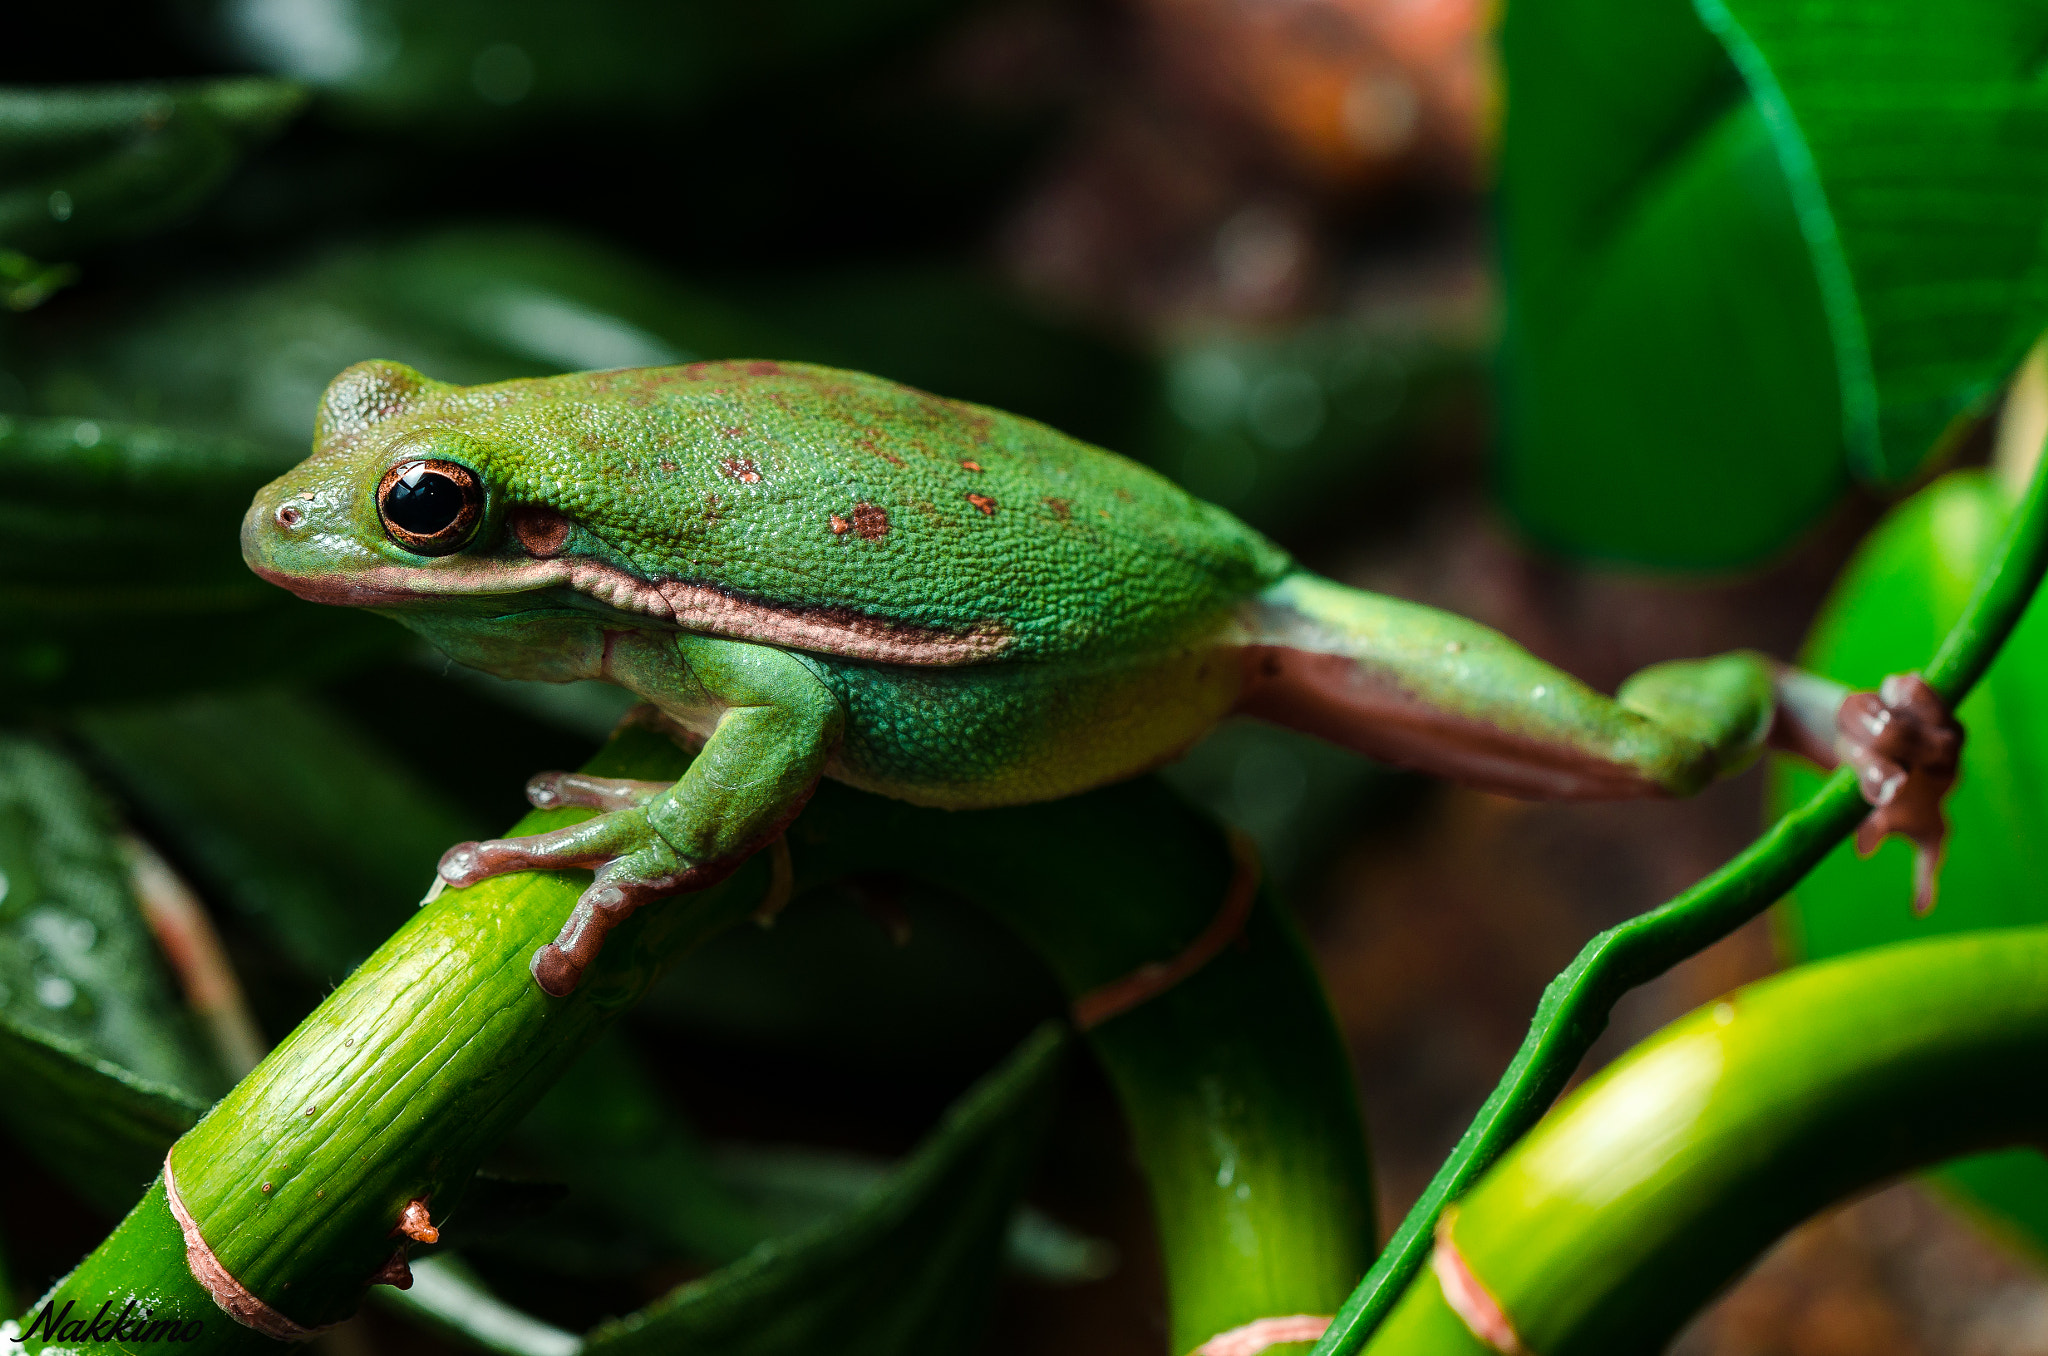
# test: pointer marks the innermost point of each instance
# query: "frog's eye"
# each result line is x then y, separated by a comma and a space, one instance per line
431, 508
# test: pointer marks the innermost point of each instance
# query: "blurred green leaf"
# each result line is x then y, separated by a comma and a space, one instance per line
829, 980
1715, 290
249, 357
1670, 393
120, 572
634, 1166
282, 809
791, 1187
26, 283
1915, 140
608, 1132
80, 168
449, 1298
77, 961
1294, 426
437, 64
908, 1271
1890, 608
99, 1127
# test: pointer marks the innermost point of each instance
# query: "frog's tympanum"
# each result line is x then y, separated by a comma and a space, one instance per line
813, 573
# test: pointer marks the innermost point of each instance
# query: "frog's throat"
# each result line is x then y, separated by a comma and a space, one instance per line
692, 607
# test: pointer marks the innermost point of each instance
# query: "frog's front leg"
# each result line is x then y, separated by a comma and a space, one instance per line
756, 770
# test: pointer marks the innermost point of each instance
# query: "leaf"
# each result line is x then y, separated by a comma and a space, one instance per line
121, 573
439, 65
1721, 299
1912, 137
99, 1127
628, 1156
282, 809
606, 1130
77, 961
1670, 396
1891, 606
82, 167
447, 1296
908, 1271
248, 359
1297, 424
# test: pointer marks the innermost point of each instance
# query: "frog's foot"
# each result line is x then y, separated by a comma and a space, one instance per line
634, 864
554, 790
1903, 745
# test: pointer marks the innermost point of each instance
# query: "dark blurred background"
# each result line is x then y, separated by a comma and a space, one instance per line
1243, 240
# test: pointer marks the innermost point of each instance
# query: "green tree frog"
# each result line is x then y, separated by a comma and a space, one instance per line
815, 573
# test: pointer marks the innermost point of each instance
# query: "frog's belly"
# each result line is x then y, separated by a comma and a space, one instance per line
1005, 734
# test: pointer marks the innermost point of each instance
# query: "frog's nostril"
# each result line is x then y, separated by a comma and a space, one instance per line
290, 516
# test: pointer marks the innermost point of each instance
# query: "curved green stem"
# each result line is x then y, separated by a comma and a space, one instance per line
1662, 1178
1575, 1006
1235, 1080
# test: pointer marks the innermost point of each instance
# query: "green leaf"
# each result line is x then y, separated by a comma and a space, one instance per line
249, 358
1670, 394
121, 574
1899, 595
439, 65
99, 1127
80, 168
447, 1297
282, 809
608, 1132
908, 1271
1295, 425
1912, 137
77, 961
1718, 294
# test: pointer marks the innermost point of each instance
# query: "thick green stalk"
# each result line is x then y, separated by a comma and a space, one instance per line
1660, 1180
1575, 1006
1235, 1081
393, 1090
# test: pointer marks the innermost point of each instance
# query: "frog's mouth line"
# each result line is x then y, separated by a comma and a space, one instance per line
688, 606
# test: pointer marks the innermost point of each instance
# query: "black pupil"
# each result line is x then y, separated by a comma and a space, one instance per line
423, 502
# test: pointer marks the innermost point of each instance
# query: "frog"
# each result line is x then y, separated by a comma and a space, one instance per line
805, 573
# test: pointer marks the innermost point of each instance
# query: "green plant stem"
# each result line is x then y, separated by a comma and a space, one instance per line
1235, 1081
1575, 1007
392, 1090
1656, 1183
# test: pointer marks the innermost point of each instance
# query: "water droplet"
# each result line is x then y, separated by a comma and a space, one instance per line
87, 434
60, 205
55, 991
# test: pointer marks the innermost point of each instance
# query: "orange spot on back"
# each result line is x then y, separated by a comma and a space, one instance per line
970, 466
870, 520
983, 502
1062, 509
741, 469
840, 526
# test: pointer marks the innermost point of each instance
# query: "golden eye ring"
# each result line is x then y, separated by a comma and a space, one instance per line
430, 507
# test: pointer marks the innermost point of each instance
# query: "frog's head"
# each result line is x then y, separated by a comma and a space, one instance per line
406, 502
386, 497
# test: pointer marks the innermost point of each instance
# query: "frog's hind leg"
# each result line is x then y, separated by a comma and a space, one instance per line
1419, 688
1423, 689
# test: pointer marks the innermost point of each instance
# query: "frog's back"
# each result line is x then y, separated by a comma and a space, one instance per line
831, 494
